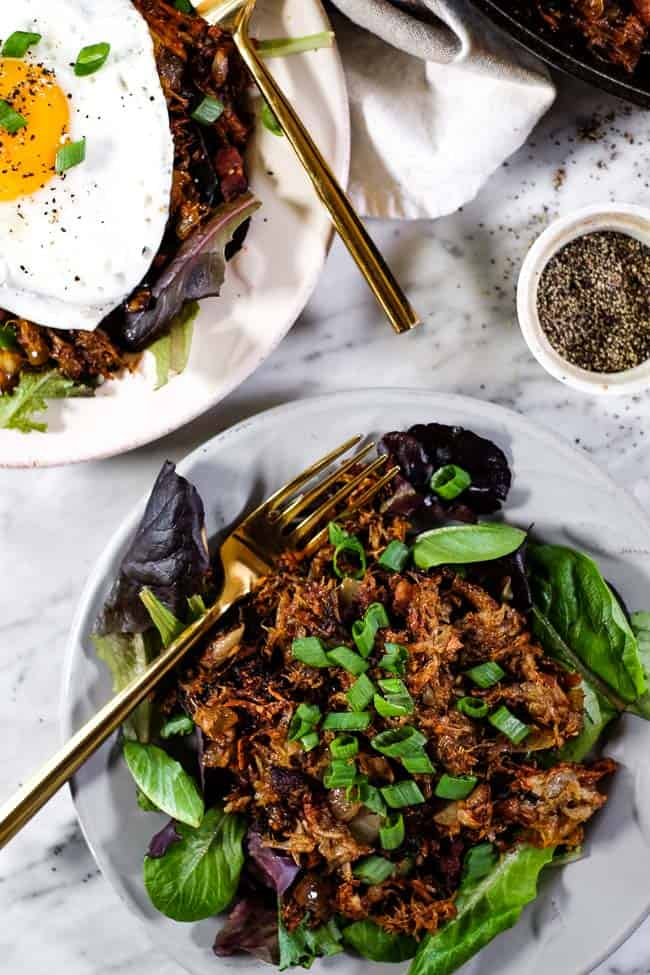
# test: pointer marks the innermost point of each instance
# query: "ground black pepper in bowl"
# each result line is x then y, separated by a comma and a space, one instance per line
593, 302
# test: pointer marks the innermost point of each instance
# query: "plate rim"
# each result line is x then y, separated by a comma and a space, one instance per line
246, 369
129, 521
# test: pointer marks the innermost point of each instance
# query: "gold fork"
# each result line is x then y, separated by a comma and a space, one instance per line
249, 553
372, 265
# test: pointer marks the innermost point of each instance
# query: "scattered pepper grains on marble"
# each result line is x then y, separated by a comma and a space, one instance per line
593, 302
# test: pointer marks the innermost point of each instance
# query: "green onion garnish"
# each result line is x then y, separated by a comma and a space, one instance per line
395, 658
336, 533
487, 674
450, 481
398, 742
339, 774
371, 798
364, 631
473, 707
391, 834
373, 870
70, 155
281, 47
309, 650
393, 685
309, 741
91, 59
344, 542
348, 659
179, 724
397, 701
304, 720
18, 43
208, 111
269, 121
10, 120
505, 722
345, 746
395, 556
455, 786
361, 693
347, 721
479, 861
418, 764
406, 793
184, 6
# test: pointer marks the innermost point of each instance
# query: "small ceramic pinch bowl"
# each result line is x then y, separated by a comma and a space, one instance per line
621, 218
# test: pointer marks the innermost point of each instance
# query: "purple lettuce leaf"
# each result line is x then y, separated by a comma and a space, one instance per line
275, 870
251, 927
168, 555
197, 271
161, 842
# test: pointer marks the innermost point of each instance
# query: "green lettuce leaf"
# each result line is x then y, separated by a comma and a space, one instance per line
465, 544
570, 591
164, 782
169, 626
19, 408
127, 656
172, 351
640, 623
199, 875
371, 941
486, 907
302, 946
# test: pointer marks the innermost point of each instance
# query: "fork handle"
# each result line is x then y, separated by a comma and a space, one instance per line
372, 265
27, 800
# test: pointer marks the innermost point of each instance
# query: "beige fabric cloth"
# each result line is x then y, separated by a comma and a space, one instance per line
438, 99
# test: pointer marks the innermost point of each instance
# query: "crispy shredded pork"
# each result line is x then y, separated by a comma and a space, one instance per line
244, 702
616, 30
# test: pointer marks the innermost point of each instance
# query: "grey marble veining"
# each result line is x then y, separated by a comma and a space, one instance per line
58, 914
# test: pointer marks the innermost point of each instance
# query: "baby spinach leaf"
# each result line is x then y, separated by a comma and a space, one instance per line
127, 656
640, 623
462, 544
301, 946
372, 941
164, 782
198, 876
486, 907
572, 594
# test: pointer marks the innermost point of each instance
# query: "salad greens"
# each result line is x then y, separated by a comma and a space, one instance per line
463, 544
126, 655
302, 946
164, 782
171, 351
372, 941
198, 876
29, 398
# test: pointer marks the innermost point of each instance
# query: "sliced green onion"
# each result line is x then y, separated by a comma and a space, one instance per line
10, 120
364, 631
487, 674
397, 701
371, 798
347, 721
479, 861
269, 120
395, 658
418, 764
304, 720
473, 707
393, 685
505, 722
406, 793
336, 533
309, 650
179, 724
395, 556
339, 774
309, 741
345, 746
18, 43
398, 742
70, 155
373, 870
208, 111
281, 47
91, 59
450, 481
455, 786
353, 547
184, 6
391, 834
348, 659
8, 337
361, 693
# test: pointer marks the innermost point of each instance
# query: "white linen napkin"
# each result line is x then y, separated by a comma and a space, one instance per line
438, 99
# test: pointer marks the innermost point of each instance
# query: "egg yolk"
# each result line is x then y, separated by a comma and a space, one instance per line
27, 157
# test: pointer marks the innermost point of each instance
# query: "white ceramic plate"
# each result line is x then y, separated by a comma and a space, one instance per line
584, 911
268, 283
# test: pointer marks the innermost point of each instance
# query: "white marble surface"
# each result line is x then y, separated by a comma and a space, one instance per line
57, 914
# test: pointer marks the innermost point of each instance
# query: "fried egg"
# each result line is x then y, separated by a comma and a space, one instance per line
75, 244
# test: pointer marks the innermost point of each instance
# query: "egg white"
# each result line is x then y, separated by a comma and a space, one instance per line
73, 251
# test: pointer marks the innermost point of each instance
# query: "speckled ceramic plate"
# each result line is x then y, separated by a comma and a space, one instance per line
267, 285
585, 910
